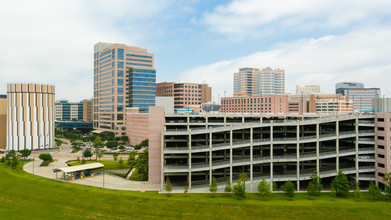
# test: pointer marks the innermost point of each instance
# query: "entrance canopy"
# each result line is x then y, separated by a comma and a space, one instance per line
72, 169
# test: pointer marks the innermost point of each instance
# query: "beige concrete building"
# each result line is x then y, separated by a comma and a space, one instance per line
124, 76
333, 103
3, 121
307, 89
186, 95
383, 143
30, 116
88, 115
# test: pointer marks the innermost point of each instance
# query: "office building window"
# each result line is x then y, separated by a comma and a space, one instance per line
120, 65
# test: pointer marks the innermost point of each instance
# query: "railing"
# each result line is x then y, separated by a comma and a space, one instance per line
366, 139
366, 149
366, 122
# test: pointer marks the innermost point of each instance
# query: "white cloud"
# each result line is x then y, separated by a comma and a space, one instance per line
357, 55
241, 18
51, 41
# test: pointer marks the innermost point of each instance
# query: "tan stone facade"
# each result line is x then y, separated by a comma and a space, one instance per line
3, 122
30, 116
88, 115
186, 95
255, 104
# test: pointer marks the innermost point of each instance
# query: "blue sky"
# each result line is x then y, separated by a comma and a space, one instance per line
323, 42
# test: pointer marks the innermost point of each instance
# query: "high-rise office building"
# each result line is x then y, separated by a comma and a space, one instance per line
69, 111
30, 116
124, 76
253, 81
342, 87
307, 89
186, 95
88, 110
362, 97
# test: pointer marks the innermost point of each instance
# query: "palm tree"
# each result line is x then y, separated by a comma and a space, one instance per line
97, 143
243, 177
387, 178
132, 161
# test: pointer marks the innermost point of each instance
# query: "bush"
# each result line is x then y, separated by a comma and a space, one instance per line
213, 187
357, 194
289, 189
341, 184
87, 153
228, 188
46, 157
263, 189
112, 144
387, 191
373, 192
239, 190
25, 153
2, 160
168, 187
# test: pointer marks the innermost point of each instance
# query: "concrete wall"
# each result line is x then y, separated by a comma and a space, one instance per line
137, 125
156, 125
383, 122
166, 102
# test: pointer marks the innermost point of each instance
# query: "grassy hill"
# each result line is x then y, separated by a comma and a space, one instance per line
25, 196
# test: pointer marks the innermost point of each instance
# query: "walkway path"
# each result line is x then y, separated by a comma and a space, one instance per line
106, 180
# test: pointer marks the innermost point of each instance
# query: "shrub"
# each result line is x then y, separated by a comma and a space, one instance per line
228, 188
373, 192
185, 190
239, 190
314, 187
341, 184
87, 153
2, 160
357, 194
112, 144
213, 187
168, 187
263, 189
387, 191
289, 189
46, 157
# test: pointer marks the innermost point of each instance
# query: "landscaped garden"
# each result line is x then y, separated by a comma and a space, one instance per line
25, 196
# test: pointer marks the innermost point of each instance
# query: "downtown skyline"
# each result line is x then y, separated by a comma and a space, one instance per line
322, 42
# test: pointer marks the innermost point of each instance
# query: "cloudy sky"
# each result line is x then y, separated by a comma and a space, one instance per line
322, 42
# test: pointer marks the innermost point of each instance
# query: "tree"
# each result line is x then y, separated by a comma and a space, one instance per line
46, 157
373, 192
115, 156
314, 187
341, 184
83, 161
185, 191
168, 187
25, 153
387, 191
357, 193
97, 143
14, 162
333, 193
132, 161
78, 159
121, 162
124, 138
121, 147
387, 178
143, 143
213, 187
2, 160
110, 135
142, 164
228, 188
239, 190
111, 144
263, 189
87, 153
289, 189
243, 177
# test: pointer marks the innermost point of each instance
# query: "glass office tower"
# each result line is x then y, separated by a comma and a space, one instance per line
124, 76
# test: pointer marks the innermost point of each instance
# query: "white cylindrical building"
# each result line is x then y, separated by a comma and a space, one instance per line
30, 116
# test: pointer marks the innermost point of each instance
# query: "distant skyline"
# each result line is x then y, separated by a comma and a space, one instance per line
316, 42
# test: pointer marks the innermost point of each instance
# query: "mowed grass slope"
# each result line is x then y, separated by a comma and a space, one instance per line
109, 164
25, 196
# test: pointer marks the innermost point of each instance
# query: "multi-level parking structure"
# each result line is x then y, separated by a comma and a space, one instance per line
278, 147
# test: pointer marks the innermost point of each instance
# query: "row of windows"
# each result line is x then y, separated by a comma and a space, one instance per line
140, 60
137, 64
136, 55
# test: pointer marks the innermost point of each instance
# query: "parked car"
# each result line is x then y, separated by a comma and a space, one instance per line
2, 151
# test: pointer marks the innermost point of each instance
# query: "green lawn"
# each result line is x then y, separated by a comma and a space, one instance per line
25, 196
109, 164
